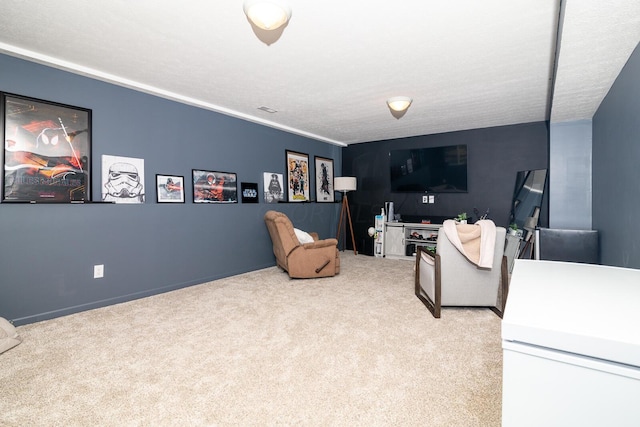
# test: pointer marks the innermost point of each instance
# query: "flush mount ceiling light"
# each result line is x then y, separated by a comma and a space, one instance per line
399, 103
267, 14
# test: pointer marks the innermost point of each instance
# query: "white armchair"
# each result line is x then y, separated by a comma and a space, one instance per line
448, 278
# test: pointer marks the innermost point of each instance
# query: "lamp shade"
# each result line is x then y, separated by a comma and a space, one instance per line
345, 183
267, 14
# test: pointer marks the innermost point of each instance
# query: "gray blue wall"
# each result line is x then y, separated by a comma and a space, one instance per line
570, 175
47, 252
616, 169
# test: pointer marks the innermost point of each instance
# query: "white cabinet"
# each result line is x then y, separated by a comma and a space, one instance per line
394, 240
402, 239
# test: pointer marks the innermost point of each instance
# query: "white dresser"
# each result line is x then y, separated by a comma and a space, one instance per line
571, 345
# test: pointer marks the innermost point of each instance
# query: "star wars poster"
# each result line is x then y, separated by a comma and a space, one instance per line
324, 180
249, 192
273, 186
47, 147
169, 189
297, 176
214, 187
122, 179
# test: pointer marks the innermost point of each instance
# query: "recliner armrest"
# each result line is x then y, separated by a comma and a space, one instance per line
321, 244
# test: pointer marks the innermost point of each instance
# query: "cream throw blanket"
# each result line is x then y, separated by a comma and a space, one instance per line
475, 241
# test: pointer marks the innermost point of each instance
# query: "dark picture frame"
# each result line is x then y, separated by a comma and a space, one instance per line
273, 187
249, 192
47, 151
214, 186
169, 188
324, 180
297, 166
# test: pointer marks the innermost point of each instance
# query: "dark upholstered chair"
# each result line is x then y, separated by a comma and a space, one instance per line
567, 245
319, 258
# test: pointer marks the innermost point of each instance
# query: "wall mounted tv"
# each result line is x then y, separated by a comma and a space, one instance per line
431, 170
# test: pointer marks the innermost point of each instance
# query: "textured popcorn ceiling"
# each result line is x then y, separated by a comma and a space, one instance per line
467, 63
597, 38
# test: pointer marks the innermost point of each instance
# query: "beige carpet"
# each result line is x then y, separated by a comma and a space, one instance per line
260, 349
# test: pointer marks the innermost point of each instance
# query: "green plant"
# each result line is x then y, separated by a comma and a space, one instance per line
462, 217
513, 226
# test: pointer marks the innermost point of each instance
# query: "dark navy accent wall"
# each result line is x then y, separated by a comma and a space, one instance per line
495, 155
47, 252
616, 168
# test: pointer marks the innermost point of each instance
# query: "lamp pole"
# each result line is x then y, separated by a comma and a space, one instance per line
345, 184
345, 207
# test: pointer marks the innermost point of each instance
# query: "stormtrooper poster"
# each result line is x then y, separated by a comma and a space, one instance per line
122, 179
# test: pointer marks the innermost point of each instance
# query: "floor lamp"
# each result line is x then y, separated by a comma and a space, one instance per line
345, 184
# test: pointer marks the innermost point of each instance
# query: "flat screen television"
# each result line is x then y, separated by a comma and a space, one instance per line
431, 170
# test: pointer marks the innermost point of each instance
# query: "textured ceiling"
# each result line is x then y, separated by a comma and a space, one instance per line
466, 63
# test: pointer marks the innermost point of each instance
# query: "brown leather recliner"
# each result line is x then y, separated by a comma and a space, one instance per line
301, 260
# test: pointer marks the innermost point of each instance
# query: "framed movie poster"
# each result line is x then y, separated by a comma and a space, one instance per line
122, 179
324, 179
249, 192
169, 189
47, 151
214, 187
273, 187
297, 176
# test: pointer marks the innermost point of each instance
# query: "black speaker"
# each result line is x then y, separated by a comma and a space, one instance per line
410, 249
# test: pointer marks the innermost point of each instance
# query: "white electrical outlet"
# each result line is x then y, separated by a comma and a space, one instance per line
98, 271
432, 199
425, 199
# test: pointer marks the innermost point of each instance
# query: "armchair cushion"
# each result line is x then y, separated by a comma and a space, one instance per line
303, 236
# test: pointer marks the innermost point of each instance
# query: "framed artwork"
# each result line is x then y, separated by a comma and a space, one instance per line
297, 176
214, 187
122, 179
47, 151
324, 179
169, 189
249, 192
273, 185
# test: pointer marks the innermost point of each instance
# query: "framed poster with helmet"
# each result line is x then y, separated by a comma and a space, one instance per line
169, 189
47, 151
122, 179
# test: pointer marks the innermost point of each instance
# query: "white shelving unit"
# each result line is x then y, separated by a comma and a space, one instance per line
401, 238
378, 241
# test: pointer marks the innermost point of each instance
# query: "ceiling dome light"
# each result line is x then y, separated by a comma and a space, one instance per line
399, 103
267, 14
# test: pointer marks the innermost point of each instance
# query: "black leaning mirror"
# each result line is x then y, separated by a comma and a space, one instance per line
527, 195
